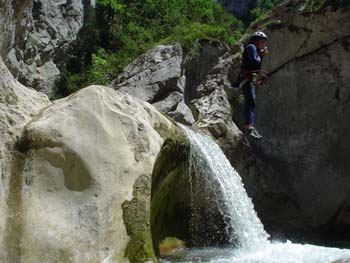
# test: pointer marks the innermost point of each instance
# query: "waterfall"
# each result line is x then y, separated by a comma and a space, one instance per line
208, 159
209, 162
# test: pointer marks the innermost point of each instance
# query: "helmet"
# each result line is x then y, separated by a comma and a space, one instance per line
258, 34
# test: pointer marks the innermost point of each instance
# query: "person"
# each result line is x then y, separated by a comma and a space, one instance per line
253, 55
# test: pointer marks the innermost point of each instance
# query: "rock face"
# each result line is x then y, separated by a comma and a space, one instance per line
36, 35
158, 78
198, 67
81, 191
304, 115
168, 80
18, 105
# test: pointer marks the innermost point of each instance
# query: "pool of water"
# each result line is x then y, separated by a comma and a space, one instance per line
268, 253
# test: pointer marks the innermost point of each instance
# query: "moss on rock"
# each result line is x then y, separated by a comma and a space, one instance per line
169, 244
170, 199
135, 215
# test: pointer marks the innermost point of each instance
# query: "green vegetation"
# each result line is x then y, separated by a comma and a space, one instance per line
315, 5
263, 7
125, 29
136, 216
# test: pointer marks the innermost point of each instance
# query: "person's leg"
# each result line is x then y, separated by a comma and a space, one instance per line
249, 108
252, 104
249, 104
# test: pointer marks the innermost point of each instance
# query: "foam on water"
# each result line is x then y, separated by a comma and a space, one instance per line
269, 253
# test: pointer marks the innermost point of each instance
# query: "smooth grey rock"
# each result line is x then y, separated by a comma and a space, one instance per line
153, 75
158, 78
182, 114
170, 102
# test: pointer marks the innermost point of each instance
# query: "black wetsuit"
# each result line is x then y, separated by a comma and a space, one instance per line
251, 61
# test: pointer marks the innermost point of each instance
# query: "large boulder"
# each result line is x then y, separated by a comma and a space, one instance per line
35, 37
303, 114
18, 105
81, 192
158, 78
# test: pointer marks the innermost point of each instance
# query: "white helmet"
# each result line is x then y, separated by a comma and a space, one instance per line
258, 34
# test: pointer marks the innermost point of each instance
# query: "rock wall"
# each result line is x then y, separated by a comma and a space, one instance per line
35, 38
299, 170
303, 114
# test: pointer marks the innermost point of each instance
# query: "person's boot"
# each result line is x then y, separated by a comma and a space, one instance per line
254, 133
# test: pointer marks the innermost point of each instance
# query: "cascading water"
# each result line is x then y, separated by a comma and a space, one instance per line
208, 160
248, 231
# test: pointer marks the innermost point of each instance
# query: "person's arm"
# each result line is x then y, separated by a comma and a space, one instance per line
253, 55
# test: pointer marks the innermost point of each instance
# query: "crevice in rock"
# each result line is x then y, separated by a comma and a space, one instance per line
14, 222
337, 94
303, 45
165, 90
308, 54
197, 68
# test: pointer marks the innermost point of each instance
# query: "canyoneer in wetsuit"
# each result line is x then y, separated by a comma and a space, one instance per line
251, 69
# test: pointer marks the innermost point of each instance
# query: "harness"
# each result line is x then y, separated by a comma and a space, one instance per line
258, 77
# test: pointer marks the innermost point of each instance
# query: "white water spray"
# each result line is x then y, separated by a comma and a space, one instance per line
248, 229
207, 157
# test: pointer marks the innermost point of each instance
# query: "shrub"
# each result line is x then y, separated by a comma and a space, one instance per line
129, 28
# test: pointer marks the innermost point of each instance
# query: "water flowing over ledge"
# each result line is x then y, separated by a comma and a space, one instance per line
247, 232
208, 159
